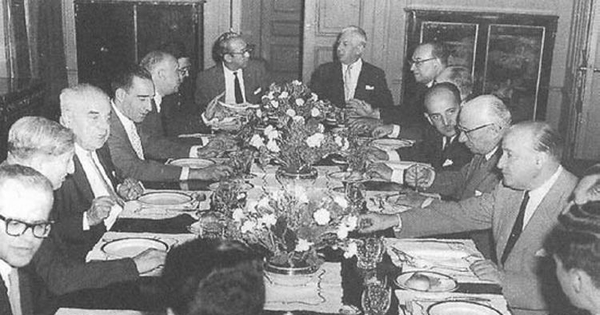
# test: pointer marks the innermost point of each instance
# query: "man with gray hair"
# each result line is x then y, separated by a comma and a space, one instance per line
522, 210
459, 76
349, 81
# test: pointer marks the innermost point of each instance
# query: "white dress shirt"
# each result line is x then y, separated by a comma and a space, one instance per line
230, 87
355, 69
536, 195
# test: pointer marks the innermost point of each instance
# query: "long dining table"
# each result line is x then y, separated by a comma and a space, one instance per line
335, 288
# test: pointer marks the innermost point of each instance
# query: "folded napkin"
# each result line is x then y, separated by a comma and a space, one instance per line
417, 303
451, 257
320, 292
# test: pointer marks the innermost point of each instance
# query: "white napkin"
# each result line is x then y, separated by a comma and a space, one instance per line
321, 292
417, 303
136, 210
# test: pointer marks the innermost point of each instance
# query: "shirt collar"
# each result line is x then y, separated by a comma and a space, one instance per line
79, 151
357, 64
543, 189
124, 119
489, 155
5, 270
230, 72
158, 101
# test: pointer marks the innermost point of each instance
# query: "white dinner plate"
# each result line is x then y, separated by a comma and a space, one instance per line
131, 247
243, 186
438, 282
461, 308
241, 106
165, 198
392, 144
348, 177
191, 163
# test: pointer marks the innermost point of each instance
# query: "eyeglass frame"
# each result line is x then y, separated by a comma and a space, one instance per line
419, 63
468, 131
248, 49
47, 227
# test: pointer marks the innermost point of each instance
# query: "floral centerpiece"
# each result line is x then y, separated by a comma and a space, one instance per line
294, 134
294, 223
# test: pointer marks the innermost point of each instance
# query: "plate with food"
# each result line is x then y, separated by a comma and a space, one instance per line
426, 281
194, 163
392, 144
349, 177
461, 308
165, 198
241, 106
131, 247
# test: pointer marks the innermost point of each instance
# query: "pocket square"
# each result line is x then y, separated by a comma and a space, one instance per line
257, 91
369, 87
478, 193
447, 162
541, 253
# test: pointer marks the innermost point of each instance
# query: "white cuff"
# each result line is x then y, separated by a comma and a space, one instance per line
398, 227
397, 176
393, 155
395, 131
204, 140
194, 151
86, 223
185, 173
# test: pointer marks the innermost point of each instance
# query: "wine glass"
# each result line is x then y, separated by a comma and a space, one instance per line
369, 252
376, 297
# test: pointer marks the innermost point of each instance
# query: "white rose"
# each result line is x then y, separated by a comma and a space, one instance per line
342, 232
352, 222
300, 102
322, 216
259, 113
238, 215
346, 145
338, 140
314, 97
321, 128
341, 200
248, 226
271, 132
351, 250
284, 94
315, 140
251, 206
257, 141
296, 82
303, 245
298, 119
315, 112
263, 203
290, 112
268, 220
274, 103
270, 95
272, 146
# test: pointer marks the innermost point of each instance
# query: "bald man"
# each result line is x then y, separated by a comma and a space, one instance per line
521, 211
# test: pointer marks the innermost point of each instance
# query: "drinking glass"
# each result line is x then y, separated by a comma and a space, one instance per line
369, 252
376, 297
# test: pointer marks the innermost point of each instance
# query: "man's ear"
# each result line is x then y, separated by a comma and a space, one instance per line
64, 120
577, 279
120, 94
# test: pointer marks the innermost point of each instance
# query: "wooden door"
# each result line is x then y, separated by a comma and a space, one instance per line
584, 83
281, 37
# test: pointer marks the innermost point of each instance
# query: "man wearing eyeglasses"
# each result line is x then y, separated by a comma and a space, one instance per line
25, 204
241, 79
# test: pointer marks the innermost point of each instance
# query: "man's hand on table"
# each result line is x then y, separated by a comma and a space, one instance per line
99, 210
382, 131
487, 270
375, 154
214, 148
213, 172
418, 175
130, 189
373, 222
380, 171
358, 108
149, 260
587, 190
363, 125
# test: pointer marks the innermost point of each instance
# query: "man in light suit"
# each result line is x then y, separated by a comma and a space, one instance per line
25, 204
350, 82
133, 93
522, 211
232, 56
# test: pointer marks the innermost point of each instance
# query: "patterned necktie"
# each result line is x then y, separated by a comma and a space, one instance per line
107, 185
347, 82
4, 299
136, 142
516, 230
238, 90
15, 292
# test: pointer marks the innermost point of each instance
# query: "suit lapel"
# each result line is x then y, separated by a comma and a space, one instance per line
81, 180
480, 171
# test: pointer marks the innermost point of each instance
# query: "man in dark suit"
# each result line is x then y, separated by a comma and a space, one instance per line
25, 204
521, 211
132, 151
349, 81
588, 188
236, 76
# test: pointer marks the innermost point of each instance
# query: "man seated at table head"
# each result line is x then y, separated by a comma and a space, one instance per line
89, 200
521, 211
459, 76
212, 276
129, 146
440, 146
48, 147
25, 204
234, 79
575, 246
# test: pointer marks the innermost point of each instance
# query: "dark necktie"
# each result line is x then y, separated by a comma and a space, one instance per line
516, 230
447, 142
238, 90
4, 301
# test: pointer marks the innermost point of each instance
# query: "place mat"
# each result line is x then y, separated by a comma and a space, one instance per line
137, 210
321, 293
169, 239
174, 225
417, 303
451, 257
